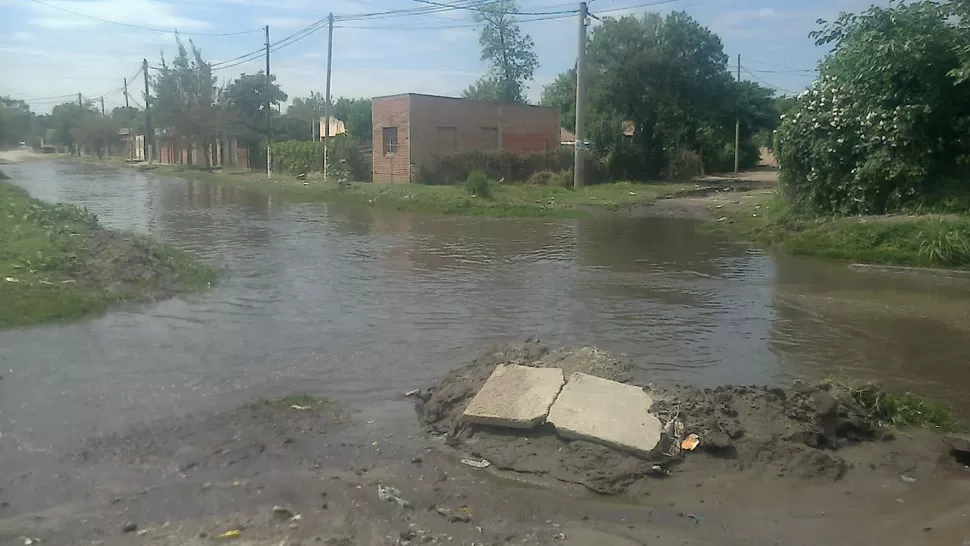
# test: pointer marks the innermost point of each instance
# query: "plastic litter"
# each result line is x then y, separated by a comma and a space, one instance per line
11, 279
299, 407
907, 479
480, 463
232, 533
391, 494
412, 392
690, 442
282, 512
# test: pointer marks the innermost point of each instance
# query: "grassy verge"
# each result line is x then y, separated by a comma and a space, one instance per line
58, 263
507, 200
927, 240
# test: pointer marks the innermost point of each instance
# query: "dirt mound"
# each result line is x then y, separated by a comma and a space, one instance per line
790, 432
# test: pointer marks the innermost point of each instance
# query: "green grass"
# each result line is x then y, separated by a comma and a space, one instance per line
930, 240
507, 200
57, 263
903, 410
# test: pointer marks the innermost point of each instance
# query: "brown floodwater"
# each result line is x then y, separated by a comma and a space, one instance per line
360, 305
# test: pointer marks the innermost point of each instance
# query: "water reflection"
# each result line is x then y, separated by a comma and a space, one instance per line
362, 304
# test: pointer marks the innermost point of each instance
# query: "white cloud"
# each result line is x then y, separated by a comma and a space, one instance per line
133, 12
24, 37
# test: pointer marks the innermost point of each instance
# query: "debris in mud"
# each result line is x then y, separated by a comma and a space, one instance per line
462, 515
476, 463
232, 533
282, 512
129, 527
797, 431
391, 494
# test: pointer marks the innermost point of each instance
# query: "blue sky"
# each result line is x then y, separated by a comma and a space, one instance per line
46, 52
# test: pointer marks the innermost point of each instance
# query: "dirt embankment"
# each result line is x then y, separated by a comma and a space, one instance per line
811, 431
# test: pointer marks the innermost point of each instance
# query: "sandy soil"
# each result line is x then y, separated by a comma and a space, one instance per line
17, 155
711, 193
187, 481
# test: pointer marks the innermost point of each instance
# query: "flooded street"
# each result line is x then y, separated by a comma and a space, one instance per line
361, 305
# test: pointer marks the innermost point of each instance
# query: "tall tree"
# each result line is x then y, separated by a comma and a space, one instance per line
247, 98
561, 94
186, 105
509, 52
16, 121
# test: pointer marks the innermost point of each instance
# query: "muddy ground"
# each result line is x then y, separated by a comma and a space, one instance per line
780, 467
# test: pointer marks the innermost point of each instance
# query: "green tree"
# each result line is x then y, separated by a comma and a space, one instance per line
16, 121
247, 98
561, 94
186, 107
886, 123
356, 115
509, 52
97, 133
669, 77
66, 118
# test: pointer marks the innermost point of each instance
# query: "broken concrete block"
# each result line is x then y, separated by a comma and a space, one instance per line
606, 412
515, 396
958, 442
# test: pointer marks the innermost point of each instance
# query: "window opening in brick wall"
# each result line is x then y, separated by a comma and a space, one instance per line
390, 140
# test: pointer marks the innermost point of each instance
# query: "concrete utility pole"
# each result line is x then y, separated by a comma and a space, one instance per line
79, 103
579, 161
149, 133
326, 106
269, 140
102, 108
131, 137
737, 123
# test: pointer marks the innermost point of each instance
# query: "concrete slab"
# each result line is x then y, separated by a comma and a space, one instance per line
606, 412
515, 396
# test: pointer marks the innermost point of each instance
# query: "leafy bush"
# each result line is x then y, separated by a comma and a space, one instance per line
885, 123
507, 166
479, 185
295, 156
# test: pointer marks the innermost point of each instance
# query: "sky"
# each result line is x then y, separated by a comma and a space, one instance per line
48, 55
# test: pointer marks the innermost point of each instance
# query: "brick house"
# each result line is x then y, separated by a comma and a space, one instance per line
413, 130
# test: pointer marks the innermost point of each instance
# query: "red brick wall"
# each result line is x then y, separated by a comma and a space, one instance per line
470, 125
391, 112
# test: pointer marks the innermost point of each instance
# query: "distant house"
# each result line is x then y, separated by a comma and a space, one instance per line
412, 131
336, 127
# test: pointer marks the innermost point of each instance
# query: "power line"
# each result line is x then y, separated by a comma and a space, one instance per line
450, 27
765, 63
141, 27
773, 86
484, 9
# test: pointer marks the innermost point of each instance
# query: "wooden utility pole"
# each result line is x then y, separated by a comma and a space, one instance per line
102, 107
149, 133
79, 103
80, 113
579, 160
737, 122
269, 150
326, 106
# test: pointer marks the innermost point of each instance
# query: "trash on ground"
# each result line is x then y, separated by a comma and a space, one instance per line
455, 516
299, 407
559, 536
282, 512
690, 442
129, 527
233, 533
907, 479
11, 279
412, 392
476, 463
658, 470
391, 494
722, 218
31, 541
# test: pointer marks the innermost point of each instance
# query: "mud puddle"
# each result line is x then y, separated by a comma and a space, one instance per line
302, 472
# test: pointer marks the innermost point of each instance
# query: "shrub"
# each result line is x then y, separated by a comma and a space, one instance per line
479, 185
885, 123
296, 156
506, 166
